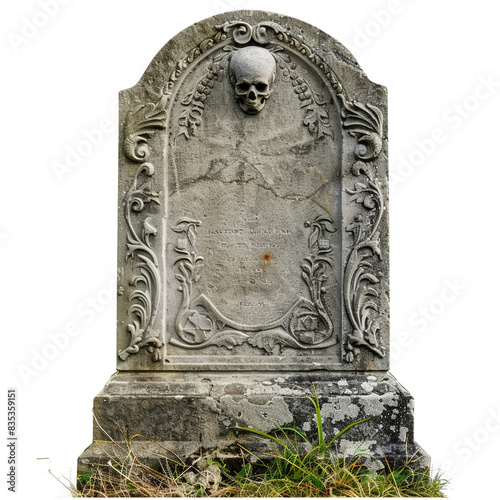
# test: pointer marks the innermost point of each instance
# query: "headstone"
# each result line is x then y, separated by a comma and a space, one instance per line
253, 248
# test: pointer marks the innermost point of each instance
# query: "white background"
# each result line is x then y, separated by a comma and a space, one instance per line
60, 80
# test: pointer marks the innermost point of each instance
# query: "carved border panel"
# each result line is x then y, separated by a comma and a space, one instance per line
307, 325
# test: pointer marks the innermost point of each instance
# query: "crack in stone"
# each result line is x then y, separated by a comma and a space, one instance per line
265, 185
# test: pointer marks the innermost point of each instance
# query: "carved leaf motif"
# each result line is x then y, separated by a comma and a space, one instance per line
143, 194
365, 168
136, 332
183, 224
307, 268
317, 121
140, 125
369, 277
313, 237
188, 99
191, 118
148, 230
228, 339
365, 122
360, 300
225, 338
269, 339
146, 295
146, 119
132, 249
372, 333
326, 223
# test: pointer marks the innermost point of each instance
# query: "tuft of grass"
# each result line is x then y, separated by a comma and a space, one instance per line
282, 474
282, 477
289, 472
334, 479
123, 475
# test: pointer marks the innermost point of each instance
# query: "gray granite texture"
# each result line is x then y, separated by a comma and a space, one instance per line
253, 248
253, 224
189, 412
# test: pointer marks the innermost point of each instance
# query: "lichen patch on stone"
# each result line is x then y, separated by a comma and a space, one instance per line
367, 387
265, 417
342, 408
374, 404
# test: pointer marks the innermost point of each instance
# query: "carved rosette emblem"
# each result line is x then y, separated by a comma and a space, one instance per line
307, 325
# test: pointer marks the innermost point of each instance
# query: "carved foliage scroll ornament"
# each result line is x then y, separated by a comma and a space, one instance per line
364, 122
191, 117
140, 126
252, 74
307, 325
262, 33
316, 118
145, 299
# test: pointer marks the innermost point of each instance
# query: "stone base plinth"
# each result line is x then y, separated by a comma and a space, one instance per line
152, 413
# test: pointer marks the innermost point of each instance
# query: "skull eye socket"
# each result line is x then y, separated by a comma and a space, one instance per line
261, 87
243, 87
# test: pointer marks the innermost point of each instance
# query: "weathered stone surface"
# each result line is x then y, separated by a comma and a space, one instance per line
188, 411
253, 247
253, 214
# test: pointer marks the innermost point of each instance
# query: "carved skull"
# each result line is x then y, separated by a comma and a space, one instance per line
252, 71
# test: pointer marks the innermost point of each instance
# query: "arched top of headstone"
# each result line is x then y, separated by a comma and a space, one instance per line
245, 27
253, 215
